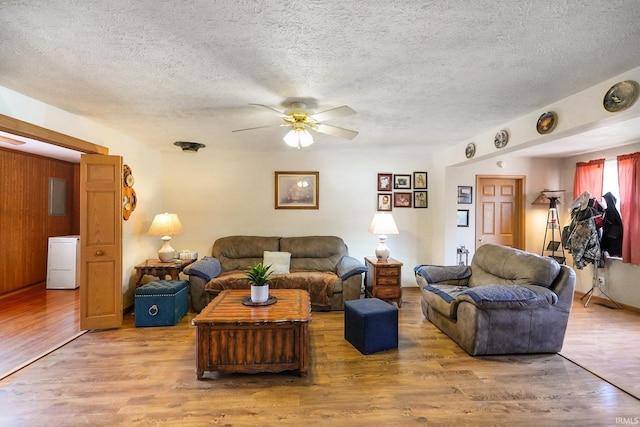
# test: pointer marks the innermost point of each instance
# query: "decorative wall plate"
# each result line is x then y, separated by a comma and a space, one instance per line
547, 122
620, 96
470, 150
129, 198
501, 139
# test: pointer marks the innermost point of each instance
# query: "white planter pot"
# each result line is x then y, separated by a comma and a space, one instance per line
259, 293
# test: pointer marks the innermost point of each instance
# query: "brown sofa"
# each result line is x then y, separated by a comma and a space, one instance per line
507, 301
318, 264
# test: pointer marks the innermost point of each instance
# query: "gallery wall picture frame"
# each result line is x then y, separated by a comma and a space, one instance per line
420, 199
384, 181
465, 194
384, 201
297, 190
420, 181
463, 218
402, 182
402, 200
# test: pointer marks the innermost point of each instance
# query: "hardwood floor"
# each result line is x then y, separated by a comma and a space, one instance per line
35, 321
146, 376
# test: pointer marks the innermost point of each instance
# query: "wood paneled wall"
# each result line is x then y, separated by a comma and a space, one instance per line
25, 224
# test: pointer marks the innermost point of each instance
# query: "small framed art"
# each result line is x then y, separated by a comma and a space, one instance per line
465, 194
401, 200
402, 182
297, 190
463, 218
420, 199
420, 181
384, 181
384, 201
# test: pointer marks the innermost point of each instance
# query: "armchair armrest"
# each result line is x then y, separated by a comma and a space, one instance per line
349, 266
206, 268
454, 274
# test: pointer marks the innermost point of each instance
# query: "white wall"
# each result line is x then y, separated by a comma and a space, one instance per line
621, 280
217, 194
144, 161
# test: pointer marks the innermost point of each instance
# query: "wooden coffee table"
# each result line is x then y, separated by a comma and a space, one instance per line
232, 337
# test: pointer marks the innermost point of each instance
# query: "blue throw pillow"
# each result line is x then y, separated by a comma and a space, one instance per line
207, 268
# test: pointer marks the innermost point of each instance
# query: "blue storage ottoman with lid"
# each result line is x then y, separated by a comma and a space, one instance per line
371, 325
161, 303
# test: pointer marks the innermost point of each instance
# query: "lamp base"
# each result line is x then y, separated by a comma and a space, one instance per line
166, 252
382, 251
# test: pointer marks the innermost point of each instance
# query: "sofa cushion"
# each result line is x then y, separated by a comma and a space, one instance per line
241, 252
314, 253
279, 261
501, 265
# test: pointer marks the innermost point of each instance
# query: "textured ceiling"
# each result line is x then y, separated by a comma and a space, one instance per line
421, 72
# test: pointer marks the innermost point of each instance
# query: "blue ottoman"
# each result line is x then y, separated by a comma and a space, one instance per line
161, 303
371, 325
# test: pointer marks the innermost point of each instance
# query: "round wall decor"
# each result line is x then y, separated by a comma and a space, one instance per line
501, 139
547, 122
620, 96
470, 150
129, 198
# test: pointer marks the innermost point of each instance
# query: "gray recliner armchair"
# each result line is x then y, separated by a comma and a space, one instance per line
508, 301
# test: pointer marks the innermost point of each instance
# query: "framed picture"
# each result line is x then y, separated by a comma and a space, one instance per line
463, 217
384, 181
420, 199
384, 201
402, 182
465, 194
297, 190
401, 200
420, 180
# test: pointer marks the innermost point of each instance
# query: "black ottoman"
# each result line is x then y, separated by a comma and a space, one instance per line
371, 325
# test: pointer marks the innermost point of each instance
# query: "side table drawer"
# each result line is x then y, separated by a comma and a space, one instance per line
390, 271
387, 292
389, 281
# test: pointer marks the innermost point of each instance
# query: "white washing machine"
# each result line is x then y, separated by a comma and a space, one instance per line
63, 262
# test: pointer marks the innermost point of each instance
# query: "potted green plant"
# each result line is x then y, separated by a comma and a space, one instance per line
259, 277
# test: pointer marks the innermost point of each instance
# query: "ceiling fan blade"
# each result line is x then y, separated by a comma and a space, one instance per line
333, 113
268, 108
336, 131
262, 127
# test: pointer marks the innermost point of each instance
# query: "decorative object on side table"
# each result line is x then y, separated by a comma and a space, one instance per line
166, 225
620, 96
383, 224
259, 278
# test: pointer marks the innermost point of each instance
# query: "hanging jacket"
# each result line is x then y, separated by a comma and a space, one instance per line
611, 241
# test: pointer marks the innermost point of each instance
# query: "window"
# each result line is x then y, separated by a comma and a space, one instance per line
610, 180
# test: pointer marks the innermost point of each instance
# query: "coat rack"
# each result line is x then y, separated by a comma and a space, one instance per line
552, 244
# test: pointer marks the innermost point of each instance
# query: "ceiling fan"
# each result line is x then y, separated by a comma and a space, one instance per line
302, 120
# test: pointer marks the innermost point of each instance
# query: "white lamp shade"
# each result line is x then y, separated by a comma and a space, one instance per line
165, 224
383, 223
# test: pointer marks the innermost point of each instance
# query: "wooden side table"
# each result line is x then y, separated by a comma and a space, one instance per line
157, 268
383, 279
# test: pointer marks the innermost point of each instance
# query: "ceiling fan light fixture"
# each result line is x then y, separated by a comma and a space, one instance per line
298, 137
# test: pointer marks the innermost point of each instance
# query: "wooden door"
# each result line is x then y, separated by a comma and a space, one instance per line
499, 211
100, 241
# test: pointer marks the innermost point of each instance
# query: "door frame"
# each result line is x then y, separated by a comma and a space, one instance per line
519, 234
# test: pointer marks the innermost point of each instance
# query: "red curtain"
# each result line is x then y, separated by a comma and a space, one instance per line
589, 176
629, 183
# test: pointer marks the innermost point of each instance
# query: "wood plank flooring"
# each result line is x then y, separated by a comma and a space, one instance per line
35, 321
146, 376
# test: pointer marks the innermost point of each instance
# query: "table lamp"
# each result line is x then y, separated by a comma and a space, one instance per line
382, 225
166, 225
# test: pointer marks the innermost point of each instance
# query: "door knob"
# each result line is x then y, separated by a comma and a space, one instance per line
99, 253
